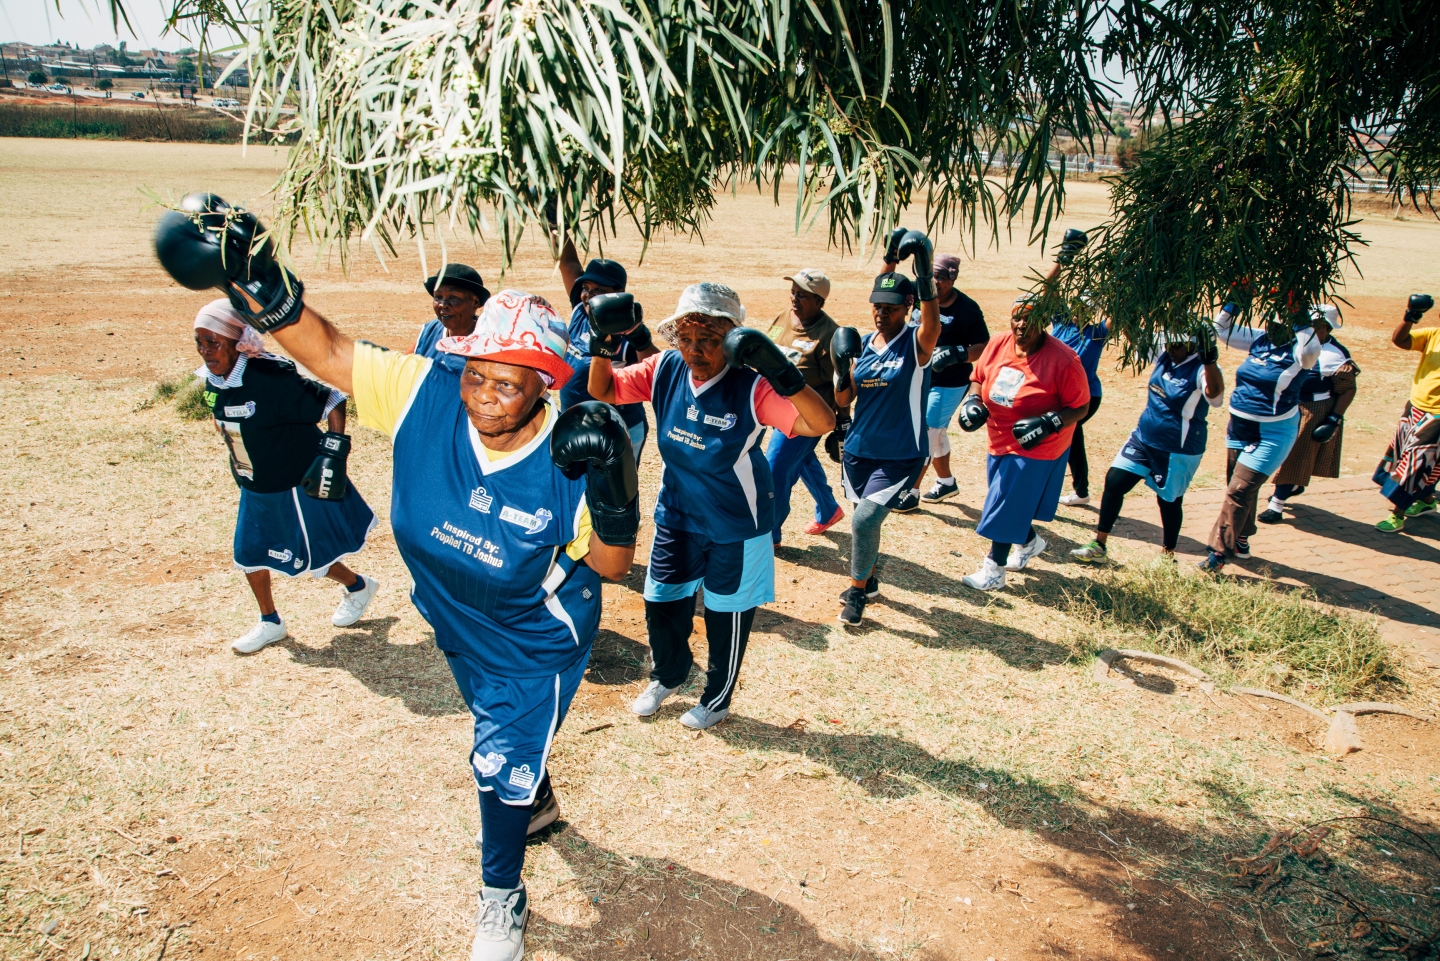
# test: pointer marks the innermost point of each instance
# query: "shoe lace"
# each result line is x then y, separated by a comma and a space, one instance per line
495, 919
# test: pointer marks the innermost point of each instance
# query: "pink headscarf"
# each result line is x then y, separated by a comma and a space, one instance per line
219, 317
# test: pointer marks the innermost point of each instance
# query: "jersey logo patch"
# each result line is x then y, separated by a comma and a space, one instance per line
489, 765
480, 500
246, 409
299, 563
522, 776
1007, 384
692, 413
724, 423
281, 556
533, 523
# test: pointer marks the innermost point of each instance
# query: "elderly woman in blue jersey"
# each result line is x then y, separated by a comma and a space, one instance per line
1166, 446
457, 293
600, 277
713, 395
887, 374
1079, 330
506, 512
1325, 396
267, 412
1264, 417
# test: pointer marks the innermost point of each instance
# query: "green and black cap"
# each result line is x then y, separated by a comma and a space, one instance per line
892, 288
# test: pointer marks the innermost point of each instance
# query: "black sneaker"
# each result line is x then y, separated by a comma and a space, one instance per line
1270, 516
909, 503
872, 588
1242, 547
544, 811
854, 610
940, 491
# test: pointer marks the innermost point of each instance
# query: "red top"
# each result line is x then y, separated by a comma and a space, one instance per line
1015, 385
634, 383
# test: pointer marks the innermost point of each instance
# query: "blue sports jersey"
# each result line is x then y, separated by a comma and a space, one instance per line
1088, 342
1318, 383
716, 480
430, 335
1268, 380
577, 355
485, 540
890, 389
1174, 417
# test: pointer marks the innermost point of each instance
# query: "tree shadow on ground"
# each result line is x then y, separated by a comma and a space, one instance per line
617, 660
955, 631
415, 673
653, 908
1163, 852
1323, 523
806, 635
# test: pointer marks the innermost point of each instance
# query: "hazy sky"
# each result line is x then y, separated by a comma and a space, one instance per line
87, 23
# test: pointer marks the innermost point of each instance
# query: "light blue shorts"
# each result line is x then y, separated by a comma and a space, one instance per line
1183, 468
736, 576
1263, 445
941, 404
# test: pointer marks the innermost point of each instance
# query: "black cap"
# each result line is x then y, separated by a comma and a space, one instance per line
606, 273
892, 288
459, 275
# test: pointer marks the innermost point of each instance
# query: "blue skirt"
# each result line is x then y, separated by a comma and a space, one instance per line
1022, 490
1263, 445
292, 533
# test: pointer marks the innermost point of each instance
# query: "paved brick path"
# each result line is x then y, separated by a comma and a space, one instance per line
1329, 542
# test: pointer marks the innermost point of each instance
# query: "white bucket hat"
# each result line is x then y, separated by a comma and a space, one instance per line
1328, 313
708, 300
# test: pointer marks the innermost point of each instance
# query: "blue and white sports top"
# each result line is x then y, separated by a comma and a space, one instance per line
485, 539
1267, 382
716, 480
1088, 342
1174, 416
577, 355
1319, 382
430, 335
890, 389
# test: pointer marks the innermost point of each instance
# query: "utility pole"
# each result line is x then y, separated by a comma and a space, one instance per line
4, 66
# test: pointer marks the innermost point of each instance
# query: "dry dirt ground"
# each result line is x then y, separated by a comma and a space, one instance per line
948, 783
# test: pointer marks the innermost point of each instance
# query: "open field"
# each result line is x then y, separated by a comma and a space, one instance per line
947, 783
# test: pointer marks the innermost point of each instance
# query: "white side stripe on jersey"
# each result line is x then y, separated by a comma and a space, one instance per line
744, 470
1192, 403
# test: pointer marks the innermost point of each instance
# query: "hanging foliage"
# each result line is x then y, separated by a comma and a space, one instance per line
415, 114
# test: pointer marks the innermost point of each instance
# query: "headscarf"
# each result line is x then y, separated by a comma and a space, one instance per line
947, 267
521, 329
220, 317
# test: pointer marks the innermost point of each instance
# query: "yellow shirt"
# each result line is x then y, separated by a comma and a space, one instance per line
384, 384
1425, 390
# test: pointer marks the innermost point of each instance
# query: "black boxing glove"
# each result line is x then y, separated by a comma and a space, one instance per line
945, 356
325, 480
1030, 431
917, 246
1418, 305
973, 413
207, 243
747, 347
591, 440
1205, 344
610, 316
1326, 428
835, 440
845, 346
1071, 244
892, 249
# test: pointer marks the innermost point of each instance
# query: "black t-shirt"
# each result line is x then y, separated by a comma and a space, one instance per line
268, 421
962, 324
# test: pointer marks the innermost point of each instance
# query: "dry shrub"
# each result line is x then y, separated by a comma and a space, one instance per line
1244, 630
118, 123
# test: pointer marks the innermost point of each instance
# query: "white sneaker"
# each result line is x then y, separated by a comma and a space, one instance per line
500, 925
1019, 558
352, 606
1075, 500
990, 576
651, 698
700, 717
262, 634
